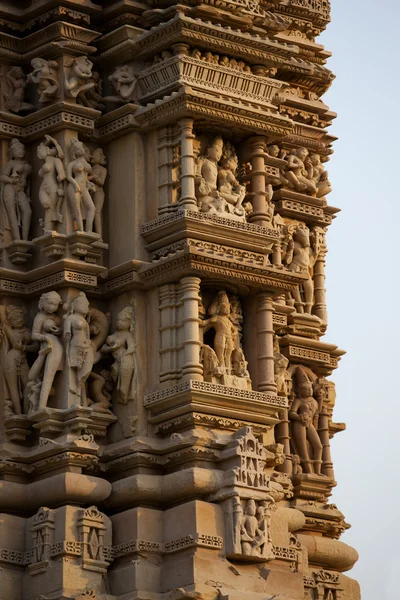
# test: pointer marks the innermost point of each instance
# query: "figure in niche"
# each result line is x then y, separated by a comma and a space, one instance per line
316, 172
280, 367
217, 189
124, 83
44, 76
228, 186
17, 341
79, 187
303, 416
79, 349
98, 179
121, 345
15, 191
254, 531
14, 97
99, 325
46, 330
222, 355
51, 192
296, 176
302, 253
93, 97
79, 77
321, 395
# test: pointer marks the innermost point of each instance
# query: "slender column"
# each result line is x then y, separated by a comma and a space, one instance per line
323, 432
168, 325
265, 343
192, 368
259, 215
319, 288
188, 193
282, 436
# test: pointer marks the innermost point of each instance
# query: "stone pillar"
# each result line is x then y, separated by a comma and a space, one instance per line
265, 343
259, 215
192, 368
323, 432
319, 288
168, 310
282, 436
188, 194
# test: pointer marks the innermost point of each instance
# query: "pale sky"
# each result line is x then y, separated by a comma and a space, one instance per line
362, 282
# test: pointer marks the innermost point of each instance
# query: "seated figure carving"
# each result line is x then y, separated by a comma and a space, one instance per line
218, 191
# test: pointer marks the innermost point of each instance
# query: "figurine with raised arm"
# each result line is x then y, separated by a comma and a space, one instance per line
14, 97
44, 76
79, 78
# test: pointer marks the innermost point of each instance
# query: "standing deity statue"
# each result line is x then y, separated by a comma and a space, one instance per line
98, 178
207, 176
44, 76
51, 192
225, 331
14, 96
296, 176
228, 186
79, 350
79, 187
303, 415
46, 330
15, 191
301, 255
79, 77
17, 341
124, 83
121, 345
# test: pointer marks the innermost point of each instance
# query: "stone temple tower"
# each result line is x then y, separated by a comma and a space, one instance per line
165, 403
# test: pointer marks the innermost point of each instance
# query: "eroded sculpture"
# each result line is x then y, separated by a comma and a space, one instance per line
45, 77
15, 191
98, 177
121, 345
124, 81
252, 533
51, 192
14, 96
78, 80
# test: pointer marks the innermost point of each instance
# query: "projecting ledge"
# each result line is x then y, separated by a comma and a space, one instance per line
209, 398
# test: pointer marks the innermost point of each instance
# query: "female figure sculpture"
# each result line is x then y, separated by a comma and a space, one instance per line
207, 176
303, 416
79, 186
98, 178
79, 349
46, 330
45, 78
15, 191
17, 340
296, 173
51, 192
319, 175
252, 537
79, 79
121, 345
228, 186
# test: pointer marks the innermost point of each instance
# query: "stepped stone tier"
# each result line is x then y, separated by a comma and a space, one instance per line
166, 409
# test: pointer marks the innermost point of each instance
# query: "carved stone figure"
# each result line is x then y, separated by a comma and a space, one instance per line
79, 350
100, 388
79, 187
79, 77
318, 174
224, 362
254, 531
14, 96
15, 191
280, 368
303, 416
98, 178
51, 192
121, 345
217, 189
46, 330
17, 341
93, 97
124, 83
99, 324
302, 253
45, 77
296, 176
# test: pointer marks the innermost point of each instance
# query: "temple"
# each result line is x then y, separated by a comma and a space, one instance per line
166, 407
